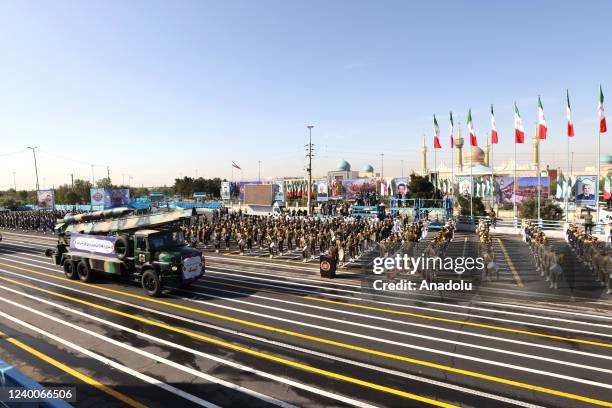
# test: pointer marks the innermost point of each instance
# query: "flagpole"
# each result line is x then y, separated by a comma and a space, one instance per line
538, 170
598, 175
471, 184
565, 194
492, 185
435, 166
514, 189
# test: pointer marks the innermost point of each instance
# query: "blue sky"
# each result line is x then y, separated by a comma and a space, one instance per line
158, 89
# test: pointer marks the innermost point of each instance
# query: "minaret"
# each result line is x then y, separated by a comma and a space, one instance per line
424, 159
487, 150
535, 150
459, 146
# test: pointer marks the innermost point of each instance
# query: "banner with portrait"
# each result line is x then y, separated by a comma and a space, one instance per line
400, 187
587, 188
464, 185
279, 191
109, 197
225, 190
358, 188
526, 188
45, 199
322, 193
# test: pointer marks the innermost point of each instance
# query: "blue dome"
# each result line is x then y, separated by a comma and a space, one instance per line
344, 166
368, 168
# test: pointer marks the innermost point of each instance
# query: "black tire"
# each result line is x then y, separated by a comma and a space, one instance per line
151, 284
70, 270
121, 247
84, 273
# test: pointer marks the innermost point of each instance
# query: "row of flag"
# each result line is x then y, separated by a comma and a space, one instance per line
519, 130
298, 189
566, 187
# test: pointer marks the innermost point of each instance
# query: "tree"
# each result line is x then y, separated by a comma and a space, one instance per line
478, 208
104, 183
549, 210
420, 187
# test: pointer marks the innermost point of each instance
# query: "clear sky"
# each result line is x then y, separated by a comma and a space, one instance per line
158, 89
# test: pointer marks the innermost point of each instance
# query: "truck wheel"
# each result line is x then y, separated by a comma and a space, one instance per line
84, 272
70, 270
151, 283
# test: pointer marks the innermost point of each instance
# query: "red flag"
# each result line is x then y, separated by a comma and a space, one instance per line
452, 139
494, 139
473, 140
602, 115
519, 131
570, 123
542, 126
436, 134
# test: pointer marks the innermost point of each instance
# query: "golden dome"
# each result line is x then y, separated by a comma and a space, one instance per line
477, 153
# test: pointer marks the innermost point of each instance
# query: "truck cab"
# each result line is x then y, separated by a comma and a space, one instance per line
164, 254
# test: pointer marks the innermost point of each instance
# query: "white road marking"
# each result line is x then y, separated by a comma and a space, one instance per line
114, 364
273, 342
532, 344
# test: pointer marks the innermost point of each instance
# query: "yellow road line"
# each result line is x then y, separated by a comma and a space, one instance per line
515, 273
121, 397
421, 316
242, 349
496, 379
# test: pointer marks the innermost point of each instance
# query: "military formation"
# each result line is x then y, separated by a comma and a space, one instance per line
547, 258
593, 253
486, 251
38, 221
347, 238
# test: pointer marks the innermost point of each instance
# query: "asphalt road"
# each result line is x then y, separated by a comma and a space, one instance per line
259, 332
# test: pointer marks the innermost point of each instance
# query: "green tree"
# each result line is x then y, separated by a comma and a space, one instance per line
478, 208
420, 187
82, 189
549, 210
104, 183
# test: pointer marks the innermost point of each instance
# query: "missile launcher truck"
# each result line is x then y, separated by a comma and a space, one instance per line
148, 249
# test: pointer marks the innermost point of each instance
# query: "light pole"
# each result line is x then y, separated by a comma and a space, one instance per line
309, 165
14, 182
93, 178
382, 165
259, 170
35, 165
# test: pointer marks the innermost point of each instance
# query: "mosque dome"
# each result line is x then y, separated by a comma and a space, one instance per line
606, 159
343, 166
475, 156
368, 168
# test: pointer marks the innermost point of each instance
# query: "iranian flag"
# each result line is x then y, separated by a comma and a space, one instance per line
542, 126
473, 140
436, 130
607, 188
452, 125
519, 131
494, 138
570, 123
602, 115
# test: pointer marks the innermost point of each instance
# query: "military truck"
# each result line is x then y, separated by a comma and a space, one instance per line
149, 249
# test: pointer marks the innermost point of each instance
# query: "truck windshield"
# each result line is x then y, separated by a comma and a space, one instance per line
166, 240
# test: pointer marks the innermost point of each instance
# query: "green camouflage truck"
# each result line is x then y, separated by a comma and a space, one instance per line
148, 249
